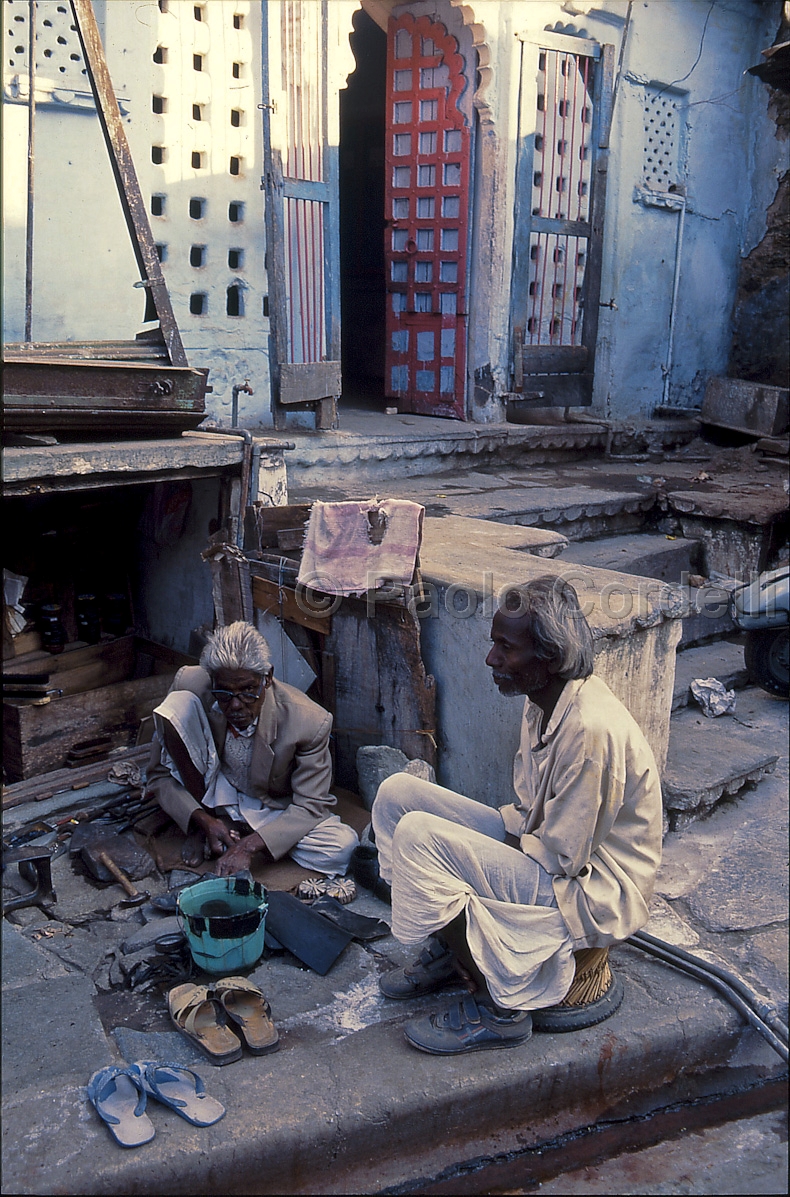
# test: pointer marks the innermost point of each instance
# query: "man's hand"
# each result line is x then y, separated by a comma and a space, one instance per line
218, 836
239, 857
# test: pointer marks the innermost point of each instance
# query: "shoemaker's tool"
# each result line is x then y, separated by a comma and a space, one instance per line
34, 867
90, 839
136, 896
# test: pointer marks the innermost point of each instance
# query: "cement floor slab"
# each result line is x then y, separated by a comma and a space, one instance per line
723, 660
710, 759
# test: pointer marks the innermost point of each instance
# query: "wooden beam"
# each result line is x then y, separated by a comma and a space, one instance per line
282, 602
129, 192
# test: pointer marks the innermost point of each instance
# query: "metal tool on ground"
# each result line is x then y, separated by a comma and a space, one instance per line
34, 868
136, 897
123, 850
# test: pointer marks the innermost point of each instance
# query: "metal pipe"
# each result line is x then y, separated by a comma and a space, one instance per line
767, 1011
31, 156
700, 970
675, 289
235, 392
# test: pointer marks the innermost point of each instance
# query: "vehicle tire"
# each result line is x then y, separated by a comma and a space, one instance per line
767, 656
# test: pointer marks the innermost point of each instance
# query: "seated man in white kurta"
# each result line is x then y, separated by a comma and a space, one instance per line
244, 761
506, 896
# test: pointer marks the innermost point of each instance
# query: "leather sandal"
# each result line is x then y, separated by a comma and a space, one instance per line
245, 1004
194, 1012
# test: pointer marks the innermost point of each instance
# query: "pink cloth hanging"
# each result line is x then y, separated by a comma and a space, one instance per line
353, 547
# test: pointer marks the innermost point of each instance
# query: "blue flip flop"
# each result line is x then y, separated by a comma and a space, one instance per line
120, 1100
179, 1088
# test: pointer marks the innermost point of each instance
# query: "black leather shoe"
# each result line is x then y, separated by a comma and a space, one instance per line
364, 868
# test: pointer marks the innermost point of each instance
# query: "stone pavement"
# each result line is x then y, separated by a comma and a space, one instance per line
346, 1105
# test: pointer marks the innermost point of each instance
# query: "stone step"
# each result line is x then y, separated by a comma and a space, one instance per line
722, 660
370, 446
709, 760
645, 554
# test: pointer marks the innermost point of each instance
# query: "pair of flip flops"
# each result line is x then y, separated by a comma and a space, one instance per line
203, 1014
120, 1096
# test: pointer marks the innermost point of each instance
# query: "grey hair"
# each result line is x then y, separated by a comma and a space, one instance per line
557, 624
235, 647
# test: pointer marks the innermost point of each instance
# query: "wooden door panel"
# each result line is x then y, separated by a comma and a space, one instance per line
561, 187
427, 165
301, 206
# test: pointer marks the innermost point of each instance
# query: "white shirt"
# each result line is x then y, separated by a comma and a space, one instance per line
589, 810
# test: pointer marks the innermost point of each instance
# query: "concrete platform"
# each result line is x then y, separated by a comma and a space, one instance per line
402, 446
712, 759
645, 554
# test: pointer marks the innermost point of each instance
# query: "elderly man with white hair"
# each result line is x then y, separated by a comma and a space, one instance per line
508, 896
243, 760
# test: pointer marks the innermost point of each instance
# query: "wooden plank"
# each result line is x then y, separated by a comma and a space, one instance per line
551, 359
568, 43
75, 656
45, 785
383, 694
37, 738
112, 351
282, 602
67, 383
138, 422
606, 96
570, 228
592, 275
129, 193
308, 382
271, 520
554, 390
306, 189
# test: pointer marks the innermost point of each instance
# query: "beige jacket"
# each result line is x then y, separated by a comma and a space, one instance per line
589, 810
290, 769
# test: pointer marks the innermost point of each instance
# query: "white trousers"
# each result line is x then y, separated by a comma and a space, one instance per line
325, 849
443, 854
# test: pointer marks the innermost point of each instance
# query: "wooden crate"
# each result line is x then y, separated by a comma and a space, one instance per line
101, 695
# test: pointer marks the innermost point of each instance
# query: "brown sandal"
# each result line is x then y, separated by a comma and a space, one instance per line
245, 1004
198, 1016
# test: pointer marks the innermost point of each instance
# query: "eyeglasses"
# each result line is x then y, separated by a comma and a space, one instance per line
247, 697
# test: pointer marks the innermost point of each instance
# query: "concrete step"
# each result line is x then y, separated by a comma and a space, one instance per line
711, 759
374, 446
645, 554
723, 660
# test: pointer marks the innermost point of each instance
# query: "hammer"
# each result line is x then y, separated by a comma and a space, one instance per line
136, 897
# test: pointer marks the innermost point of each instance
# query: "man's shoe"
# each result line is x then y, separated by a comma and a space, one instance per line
364, 868
468, 1026
433, 969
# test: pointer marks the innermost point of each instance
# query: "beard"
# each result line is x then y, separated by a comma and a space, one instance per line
507, 685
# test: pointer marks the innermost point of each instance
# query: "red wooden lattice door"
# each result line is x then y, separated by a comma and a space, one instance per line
427, 210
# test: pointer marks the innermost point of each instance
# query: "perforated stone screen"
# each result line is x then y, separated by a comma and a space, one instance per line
58, 53
662, 137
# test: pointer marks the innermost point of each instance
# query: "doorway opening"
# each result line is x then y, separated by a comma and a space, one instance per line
362, 282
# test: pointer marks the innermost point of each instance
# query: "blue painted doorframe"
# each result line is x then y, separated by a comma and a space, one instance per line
301, 211
563, 137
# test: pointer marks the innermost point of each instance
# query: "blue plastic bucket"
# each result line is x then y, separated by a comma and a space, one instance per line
224, 920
